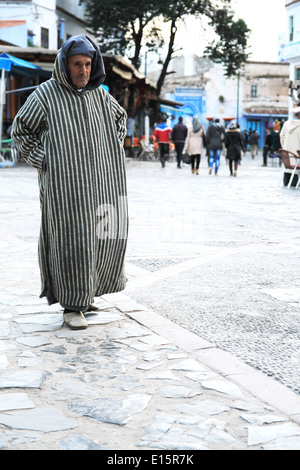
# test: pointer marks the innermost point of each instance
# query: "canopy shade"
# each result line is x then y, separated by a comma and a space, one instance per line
18, 66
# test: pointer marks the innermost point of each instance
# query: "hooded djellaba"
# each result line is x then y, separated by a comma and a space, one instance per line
74, 138
290, 133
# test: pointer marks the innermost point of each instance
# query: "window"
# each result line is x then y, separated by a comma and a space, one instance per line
45, 38
254, 91
291, 28
297, 73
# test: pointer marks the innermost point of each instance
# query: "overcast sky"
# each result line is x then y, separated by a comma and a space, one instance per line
265, 18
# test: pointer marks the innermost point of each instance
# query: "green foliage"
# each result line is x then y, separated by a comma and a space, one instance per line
125, 25
229, 48
121, 25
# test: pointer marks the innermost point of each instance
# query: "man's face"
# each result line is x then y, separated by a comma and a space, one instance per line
79, 69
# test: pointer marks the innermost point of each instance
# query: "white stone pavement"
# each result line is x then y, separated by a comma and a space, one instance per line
134, 380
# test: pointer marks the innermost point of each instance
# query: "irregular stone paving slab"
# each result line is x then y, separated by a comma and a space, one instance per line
40, 318
263, 434
259, 420
78, 443
33, 361
36, 309
188, 365
23, 379
55, 349
109, 410
104, 304
140, 346
21, 438
72, 389
40, 322
171, 432
201, 376
154, 340
35, 328
15, 401
251, 405
149, 366
212, 432
127, 331
3, 361
103, 318
163, 375
177, 392
5, 315
176, 355
288, 443
40, 419
29, 300
7, 345
128, 383
4, 329
223, 386
34, 341
4, 442
151, 356
201, 407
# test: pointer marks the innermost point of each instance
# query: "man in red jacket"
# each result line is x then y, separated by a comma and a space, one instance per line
163, 134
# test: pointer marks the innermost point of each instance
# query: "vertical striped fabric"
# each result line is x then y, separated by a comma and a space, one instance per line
75, 141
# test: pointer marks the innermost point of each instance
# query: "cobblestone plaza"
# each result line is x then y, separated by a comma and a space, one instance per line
201, 350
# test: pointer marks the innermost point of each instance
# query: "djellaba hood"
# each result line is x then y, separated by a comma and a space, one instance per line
293, 125
80, 44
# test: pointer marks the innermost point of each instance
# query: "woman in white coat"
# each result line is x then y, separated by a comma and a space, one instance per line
194, 144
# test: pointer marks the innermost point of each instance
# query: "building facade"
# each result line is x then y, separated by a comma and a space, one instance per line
257, 98
41, 23
289, 49
265, 96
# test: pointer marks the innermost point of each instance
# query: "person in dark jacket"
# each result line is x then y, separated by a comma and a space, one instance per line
234, 144
214, 139
179, 134
253, 141
267, 147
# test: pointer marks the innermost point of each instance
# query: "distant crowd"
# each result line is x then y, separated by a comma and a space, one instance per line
191, 141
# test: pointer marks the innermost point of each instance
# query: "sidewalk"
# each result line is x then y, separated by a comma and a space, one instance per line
133, 380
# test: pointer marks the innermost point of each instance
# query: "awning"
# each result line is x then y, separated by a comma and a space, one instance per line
17, 66
127, 75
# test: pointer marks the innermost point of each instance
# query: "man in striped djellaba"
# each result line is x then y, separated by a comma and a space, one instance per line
72, 131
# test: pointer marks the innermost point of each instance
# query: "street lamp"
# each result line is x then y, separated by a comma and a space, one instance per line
238, 98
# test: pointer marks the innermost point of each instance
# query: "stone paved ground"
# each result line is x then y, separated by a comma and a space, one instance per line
236, 282
173, 361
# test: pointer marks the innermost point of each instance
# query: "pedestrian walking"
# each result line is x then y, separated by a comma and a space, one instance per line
267, 147
275, 139
234, 144
215, 136
246, 139
194, 144
179, 135
163, 134
253, 142
72, 131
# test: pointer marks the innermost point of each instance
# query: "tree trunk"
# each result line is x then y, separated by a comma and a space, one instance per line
168, 58
138, 36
